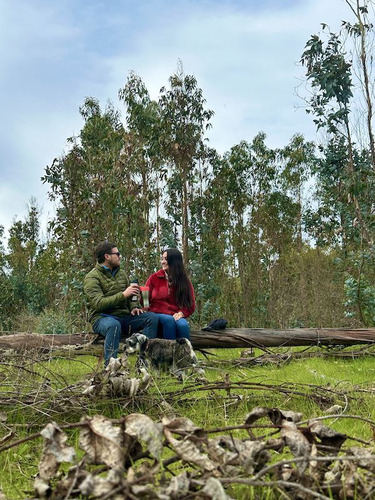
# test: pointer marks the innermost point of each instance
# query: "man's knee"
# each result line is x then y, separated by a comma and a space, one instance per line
105, 326
151, 319
151, 325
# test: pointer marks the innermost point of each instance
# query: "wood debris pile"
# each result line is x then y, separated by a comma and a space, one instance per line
132, 459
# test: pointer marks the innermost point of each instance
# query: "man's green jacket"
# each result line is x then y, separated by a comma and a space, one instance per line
103, 291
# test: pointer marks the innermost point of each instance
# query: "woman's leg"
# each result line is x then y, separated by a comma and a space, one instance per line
168, 324
110, 328
183, 329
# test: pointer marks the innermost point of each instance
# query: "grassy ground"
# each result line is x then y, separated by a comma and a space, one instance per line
33, 393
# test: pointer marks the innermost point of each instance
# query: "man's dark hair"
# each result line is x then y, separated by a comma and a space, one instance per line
103, 248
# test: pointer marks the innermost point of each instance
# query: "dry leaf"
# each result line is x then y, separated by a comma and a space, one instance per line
185, 447
327, 436
115, 381
178, 486
297, 442
256, 414
183, 425
55, 451
98, 487
276, 416
145, 430
102, 442
117, 365
364, 458
42, 487
279, 416
214, 490
232, 451
148, 492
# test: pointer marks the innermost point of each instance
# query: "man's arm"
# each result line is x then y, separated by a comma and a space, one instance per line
96, 298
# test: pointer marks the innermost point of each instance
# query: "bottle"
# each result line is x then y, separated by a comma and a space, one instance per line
134, 298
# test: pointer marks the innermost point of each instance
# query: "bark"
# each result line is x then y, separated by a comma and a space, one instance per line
228, 338
34, 341
259, 337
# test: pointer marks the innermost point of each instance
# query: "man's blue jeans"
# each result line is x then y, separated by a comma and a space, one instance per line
173, 329
112, 328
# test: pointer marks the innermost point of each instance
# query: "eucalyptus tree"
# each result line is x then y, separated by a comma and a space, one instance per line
208, 227
96, 197
246, 177
336, 79
340, 72
263, 189
329, 72
183, 122
28, 285
297, 161
85, 183
362, 34
144, 162
8, 298
2, 250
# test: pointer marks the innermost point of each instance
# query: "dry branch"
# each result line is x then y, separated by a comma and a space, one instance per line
319, 465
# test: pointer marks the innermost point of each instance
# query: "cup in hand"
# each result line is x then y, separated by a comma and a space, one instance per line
144, 294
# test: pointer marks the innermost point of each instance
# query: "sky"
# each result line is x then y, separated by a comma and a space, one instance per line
55, 53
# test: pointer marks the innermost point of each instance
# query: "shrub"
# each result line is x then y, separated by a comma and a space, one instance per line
54, 322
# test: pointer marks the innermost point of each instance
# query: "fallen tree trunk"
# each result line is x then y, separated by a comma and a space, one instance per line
260, 337
29, 341
228, 338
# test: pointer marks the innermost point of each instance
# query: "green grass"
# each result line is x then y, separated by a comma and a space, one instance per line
309, 386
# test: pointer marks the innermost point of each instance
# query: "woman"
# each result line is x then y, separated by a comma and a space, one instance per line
171, 295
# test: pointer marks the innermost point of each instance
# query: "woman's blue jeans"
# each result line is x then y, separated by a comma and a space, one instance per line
112, 328
173, 329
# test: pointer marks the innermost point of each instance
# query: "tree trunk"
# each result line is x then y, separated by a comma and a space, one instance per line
228, 338
260, 337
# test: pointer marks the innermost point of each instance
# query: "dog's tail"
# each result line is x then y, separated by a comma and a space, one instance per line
204, 352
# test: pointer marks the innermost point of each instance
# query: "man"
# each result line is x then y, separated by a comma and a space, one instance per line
111, 312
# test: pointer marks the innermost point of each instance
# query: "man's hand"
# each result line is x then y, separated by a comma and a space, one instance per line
178, 315
131, 290
136, 311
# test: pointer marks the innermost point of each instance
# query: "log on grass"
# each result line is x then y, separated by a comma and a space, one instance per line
228, 338
29, 341
263, 338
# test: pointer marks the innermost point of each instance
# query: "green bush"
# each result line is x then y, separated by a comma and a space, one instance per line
54, 322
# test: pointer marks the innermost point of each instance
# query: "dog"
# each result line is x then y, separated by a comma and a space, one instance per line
162, 354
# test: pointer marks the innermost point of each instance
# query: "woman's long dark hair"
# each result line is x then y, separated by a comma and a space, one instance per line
179, 279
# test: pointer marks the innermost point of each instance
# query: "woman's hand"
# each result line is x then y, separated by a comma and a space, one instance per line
178, 315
